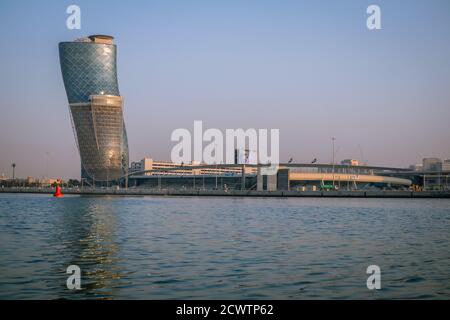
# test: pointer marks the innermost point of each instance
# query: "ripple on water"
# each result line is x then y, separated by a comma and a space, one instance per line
223, 248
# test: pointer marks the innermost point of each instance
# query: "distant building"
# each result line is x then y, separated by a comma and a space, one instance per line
31, 180
432, 164
46, 181
143, 165
416, 167
350, 162
148, 164
446, 165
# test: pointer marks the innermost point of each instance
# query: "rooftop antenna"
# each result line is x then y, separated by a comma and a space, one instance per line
13, 165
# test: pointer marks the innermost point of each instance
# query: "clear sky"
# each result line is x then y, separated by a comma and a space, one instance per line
309, 68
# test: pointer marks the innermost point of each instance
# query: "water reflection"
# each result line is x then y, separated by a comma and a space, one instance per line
86, 229
223, 248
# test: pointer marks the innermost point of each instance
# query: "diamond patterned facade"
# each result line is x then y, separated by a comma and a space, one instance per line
96, 108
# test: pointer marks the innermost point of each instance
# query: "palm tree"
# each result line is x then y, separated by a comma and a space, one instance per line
14, 170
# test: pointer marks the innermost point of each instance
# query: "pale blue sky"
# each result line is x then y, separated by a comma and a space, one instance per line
309, 68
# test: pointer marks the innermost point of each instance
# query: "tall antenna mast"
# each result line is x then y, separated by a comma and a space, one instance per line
364, 162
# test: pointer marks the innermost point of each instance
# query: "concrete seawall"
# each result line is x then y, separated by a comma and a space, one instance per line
238, 193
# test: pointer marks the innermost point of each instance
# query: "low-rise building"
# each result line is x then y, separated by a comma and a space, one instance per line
432, 164
416, 167
350, 162
148, 166
446, 165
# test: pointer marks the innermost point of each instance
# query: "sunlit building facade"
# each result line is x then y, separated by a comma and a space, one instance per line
89, 72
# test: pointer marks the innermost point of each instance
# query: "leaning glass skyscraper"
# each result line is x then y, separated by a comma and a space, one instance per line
89, 72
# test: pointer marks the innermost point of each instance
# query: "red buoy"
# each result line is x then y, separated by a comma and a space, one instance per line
58, 193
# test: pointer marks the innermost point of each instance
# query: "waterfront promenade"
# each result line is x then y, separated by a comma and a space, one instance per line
235, 193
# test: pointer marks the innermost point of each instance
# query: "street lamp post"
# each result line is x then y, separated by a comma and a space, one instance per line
14, 171
216, 176
333, 139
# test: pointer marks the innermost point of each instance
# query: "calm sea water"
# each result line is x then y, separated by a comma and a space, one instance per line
223, 248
